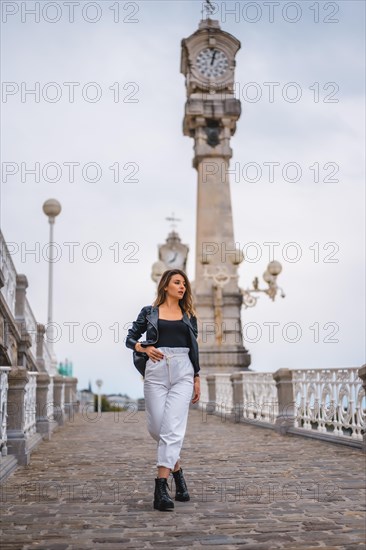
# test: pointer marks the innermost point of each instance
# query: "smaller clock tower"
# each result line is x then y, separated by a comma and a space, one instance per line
172, 255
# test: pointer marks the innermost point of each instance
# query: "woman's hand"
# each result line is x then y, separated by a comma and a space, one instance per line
197, 389
153, 353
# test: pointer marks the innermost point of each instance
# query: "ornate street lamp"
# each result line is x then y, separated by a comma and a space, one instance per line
274, 268
99, 383
51, 208
220, 277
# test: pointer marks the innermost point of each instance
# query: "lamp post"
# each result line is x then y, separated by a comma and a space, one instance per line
51, 208
274, 268
99, 383
220, 277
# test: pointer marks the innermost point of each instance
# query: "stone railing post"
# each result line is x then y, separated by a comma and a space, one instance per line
211, 385
20, 295
17, 442
44, 411
238, 394
286, 402
4, 372
59, 399
362, 375
70, 397
41, 329
74, 389
26, 341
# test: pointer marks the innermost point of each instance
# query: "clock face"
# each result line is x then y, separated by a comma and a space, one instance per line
174, 259
212, 63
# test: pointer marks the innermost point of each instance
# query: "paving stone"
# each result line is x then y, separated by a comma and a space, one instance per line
91, 486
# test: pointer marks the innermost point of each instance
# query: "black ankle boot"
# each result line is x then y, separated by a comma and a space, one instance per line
181, 492
162, 500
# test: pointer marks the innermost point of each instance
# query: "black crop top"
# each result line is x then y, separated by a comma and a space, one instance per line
173, 334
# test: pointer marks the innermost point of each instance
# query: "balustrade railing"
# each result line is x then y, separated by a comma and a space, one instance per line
31, 326
26, 356
50, 411
204, 390
328, 403
3, 408
224, 394
10, 275
260, 401
47, 358
30, 405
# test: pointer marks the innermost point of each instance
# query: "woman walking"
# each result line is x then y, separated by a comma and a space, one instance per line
171, 376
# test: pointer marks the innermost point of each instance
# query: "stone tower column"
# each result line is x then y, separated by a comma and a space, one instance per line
211, 112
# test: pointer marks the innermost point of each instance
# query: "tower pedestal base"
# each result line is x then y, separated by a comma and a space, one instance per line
217, 359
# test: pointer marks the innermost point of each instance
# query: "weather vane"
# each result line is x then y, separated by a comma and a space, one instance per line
208, 8
173, 219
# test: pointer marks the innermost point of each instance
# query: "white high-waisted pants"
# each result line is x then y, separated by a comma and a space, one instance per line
168, 389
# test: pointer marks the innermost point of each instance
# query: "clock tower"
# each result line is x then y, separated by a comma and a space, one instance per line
211, 112
173, 253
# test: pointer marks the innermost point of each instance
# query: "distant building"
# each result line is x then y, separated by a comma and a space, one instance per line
120, 400
86, 398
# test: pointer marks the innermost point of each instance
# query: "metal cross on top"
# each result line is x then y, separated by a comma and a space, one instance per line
173, 219
207, 8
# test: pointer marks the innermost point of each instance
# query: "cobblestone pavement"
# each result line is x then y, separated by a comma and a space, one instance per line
92, 486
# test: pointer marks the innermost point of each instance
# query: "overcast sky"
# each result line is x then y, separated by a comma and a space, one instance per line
300, 77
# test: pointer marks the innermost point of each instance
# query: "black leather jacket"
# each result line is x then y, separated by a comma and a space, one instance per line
147, 321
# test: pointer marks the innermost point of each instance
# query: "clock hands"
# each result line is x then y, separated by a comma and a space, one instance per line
212, 62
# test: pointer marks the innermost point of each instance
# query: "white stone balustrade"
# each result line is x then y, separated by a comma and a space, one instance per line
30, 405
330, 399
50, 413
329, 404
3, 409
224, 394
30, 387
48, 359
30, 325
59, 399
204, 389
260, 396
9, 275
70, 397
